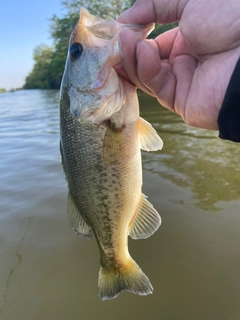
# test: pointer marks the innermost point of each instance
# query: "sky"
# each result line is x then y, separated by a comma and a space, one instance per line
24, 24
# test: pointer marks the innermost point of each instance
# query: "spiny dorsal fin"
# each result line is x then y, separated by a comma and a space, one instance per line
146, 222
149, 139
76, 220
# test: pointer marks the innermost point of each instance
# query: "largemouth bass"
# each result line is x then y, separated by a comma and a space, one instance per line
101, 137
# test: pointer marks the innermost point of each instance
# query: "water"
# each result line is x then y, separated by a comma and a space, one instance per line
193, 260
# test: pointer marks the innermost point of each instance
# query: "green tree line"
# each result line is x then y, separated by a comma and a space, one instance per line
49, 61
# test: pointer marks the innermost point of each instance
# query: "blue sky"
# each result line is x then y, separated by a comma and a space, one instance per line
23, 25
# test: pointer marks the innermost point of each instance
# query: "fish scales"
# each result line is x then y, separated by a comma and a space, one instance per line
101, 136
102, 184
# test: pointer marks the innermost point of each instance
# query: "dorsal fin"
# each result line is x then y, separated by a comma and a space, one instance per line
76, 220
149, 139
146, 222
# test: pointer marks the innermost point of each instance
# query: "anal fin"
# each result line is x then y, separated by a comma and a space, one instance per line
76, 220
146, 222
149, 139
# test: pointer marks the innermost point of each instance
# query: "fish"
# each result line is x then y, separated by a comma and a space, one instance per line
101, 137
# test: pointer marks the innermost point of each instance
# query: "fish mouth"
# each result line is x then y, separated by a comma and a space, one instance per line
107, 69
107, 80
101, 79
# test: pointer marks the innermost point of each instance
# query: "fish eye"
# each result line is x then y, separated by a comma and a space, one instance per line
76, 50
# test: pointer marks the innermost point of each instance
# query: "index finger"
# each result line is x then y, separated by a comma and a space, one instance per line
157, 11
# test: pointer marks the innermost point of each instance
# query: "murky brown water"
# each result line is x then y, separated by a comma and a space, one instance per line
193, 260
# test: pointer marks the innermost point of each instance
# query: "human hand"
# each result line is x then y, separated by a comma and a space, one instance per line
188, 68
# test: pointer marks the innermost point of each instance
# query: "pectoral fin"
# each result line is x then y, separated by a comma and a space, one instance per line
76, 220
146, 222
149, 139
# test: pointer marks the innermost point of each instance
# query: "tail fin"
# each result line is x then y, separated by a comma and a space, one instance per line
112, 282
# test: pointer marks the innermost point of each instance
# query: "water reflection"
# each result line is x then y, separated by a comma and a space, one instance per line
193, 158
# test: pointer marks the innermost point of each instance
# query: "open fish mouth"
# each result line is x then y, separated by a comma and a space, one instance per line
100, 80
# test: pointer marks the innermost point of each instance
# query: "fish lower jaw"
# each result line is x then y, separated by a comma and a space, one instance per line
101, 80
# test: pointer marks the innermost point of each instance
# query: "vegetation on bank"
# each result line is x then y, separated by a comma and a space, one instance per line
2, 90
50, 61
